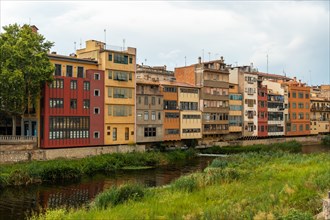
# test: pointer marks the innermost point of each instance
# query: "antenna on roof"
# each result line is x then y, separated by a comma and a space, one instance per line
124, 44
105, 36
80, 43
185, 61
209, 56
75, 47
267, 63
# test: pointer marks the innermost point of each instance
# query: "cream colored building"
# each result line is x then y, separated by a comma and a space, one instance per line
190, 114
320, 116
119, 110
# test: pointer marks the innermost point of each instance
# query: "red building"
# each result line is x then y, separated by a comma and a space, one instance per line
72, 106
262, 110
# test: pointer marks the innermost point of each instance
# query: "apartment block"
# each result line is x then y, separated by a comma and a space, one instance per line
149, 112
276, 108
213, 79
119, 67
262, 109
235, 111
320, 115
298, 122
72, 105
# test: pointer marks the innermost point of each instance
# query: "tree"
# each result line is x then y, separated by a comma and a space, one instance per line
24, 69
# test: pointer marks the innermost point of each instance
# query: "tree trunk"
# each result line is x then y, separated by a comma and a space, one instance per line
14, 125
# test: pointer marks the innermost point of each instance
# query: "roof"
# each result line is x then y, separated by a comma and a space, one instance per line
71, 58
146, 82
276, 76
179, 84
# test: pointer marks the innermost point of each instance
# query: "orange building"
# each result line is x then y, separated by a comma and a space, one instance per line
298, 121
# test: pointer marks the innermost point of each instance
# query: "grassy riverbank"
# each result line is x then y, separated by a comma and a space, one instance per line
63, 169
244, 186
289, 147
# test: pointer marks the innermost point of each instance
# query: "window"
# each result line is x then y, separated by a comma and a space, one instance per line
80, 72
294, 105
130, 76
86, 103
307, 127
123, 93
146, 100
126, 133
139, 99
294, 95
96, 134
109, 74
120, 58
306, 95
153, 100
149, 132
68, 127
300, 95
153, 116
294, 115
57, 84
159, 116
307, 105
119, 110
58, 70
96, 92
110, 57
86, 86
191, 117
120, 76
73, 103
169, 89
188, 105
307, 115
73, 84
300, 105
172, 131
192, 130
109, 91
250, 102
171, 115
301, 115
68, 70
170, 105
96, 111
294, 127
301, 127
130, 60
114, 134
56, 103
146, 116
96, 76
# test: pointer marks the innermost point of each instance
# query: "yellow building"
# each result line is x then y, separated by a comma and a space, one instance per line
320, 116
119, 112
190, 114
235, 110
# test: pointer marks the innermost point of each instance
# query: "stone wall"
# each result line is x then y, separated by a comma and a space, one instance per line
67, 153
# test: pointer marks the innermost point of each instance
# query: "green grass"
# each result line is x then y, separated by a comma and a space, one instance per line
243, 186
63, 169
290, 147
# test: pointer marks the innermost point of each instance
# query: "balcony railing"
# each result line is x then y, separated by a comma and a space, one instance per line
5, 139
322, 108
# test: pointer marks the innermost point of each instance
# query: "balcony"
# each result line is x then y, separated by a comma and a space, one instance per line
320, 109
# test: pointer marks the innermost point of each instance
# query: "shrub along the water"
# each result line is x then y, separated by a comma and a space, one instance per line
326, 140
64, 169
290, 147
246, 186
118, 195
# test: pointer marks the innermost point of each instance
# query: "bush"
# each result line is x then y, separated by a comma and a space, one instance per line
326, 141
118, 195
186, 183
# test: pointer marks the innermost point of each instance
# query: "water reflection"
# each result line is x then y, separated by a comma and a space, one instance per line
21, 202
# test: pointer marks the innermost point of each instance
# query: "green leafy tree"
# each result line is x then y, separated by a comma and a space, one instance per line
24, 69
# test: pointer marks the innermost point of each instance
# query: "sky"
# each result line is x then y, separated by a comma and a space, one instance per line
294, 35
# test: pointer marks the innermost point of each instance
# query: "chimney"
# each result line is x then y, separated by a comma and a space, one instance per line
34, 28
295, 79
199, 60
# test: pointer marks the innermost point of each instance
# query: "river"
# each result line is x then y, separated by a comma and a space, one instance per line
21, 202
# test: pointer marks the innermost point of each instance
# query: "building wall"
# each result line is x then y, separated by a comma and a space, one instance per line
296, 126
96, 102
171, 117
235, 110
186, 74
119, 116
150, 127
320, 116
250, 96
262, 111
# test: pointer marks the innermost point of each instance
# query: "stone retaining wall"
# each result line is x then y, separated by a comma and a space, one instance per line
68, 153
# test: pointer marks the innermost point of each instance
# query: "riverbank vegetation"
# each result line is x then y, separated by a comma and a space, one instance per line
263, 185
290, 147
64, 169
326, 140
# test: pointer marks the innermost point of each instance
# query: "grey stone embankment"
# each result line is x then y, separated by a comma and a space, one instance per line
12, 153
14, 156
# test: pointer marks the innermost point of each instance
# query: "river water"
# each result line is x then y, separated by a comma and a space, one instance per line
21, 202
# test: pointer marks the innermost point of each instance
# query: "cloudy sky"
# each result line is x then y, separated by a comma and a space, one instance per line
294, 34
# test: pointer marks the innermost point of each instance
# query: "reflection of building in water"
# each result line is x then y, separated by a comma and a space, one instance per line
73, 197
